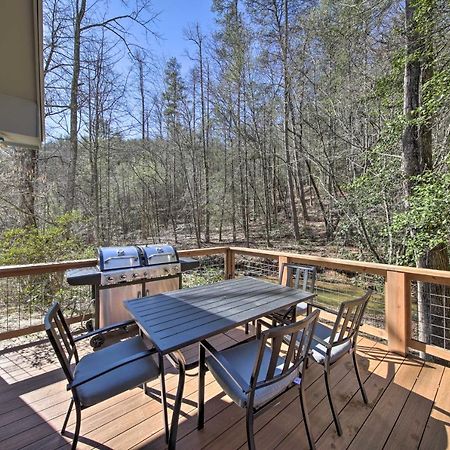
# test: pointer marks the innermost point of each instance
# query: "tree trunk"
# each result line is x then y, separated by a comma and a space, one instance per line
28, 163
418, 156
411, 159
286, 124
204, 143
74, 90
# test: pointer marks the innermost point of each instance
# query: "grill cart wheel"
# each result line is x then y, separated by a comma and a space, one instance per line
89, 325
97, 341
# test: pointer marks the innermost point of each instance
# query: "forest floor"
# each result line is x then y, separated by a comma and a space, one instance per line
312, 241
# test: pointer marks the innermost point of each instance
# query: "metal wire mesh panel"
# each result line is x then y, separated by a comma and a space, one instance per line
250, 266
430, 313
210, 270
332, 286
24, 300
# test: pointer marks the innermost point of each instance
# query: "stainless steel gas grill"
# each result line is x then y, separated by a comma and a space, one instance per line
129, 272
132, 272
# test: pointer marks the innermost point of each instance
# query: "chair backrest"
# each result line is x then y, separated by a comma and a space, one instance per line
298, 276
349, 319
296, 337
61, 339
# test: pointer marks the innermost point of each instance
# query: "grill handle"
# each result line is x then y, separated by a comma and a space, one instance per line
158, 254
120, 257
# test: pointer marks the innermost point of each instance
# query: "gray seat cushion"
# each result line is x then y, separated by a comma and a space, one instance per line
242, 359
118, 380
319, 351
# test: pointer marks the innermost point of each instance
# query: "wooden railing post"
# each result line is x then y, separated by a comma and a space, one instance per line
398, 311
282, 260
229, 264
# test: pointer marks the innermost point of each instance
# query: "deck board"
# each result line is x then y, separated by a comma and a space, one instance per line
409, 406
355, 412
437, 432
377, 427
289, 422
413, 418
343, 390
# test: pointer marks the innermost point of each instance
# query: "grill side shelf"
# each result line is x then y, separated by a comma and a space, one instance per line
189, 264
82, 277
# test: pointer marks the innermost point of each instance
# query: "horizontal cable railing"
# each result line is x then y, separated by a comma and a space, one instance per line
430, 314
251, 266
210, 270
27, 291
24, 300
410, 307
331, 287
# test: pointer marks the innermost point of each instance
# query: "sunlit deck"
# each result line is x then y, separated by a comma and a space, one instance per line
409, 407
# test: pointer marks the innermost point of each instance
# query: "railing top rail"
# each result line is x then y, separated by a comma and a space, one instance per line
204, 251
60, 266
427, 275
414, 273
37, 269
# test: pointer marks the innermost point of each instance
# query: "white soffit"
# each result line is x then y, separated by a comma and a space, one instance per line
21, 73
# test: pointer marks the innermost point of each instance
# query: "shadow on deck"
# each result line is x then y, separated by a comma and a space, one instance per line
409, 407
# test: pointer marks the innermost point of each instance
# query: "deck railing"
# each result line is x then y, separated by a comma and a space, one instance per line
392, 313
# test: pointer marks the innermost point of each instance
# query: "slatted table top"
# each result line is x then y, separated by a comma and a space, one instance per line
173, 320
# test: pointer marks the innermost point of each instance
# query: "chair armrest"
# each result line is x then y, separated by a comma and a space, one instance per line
104, 330
322, 342
260, 322
225, 364
282, 320
321, 307
122, 362
263, 322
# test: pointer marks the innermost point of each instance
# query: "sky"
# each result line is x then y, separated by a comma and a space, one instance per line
175, 16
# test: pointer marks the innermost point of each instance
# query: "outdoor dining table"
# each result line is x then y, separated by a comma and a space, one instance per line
173, 320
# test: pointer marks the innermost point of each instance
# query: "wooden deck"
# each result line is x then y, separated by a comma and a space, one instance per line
409, 407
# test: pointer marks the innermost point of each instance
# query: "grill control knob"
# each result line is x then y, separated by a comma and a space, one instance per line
135, 275
123, 276
110, 279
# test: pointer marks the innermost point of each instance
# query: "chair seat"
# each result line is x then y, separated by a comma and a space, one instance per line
241, 359
118, 380
319, 352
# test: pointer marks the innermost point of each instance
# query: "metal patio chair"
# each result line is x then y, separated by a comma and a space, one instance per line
254, 373
298, 277
329, 345
102, 374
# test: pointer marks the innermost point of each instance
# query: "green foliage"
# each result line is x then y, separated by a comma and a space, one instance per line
426, 223
174, 92
57, 241
436, 93
372, 198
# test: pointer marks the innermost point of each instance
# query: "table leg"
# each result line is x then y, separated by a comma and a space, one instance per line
177, 405
164, 396
201, 387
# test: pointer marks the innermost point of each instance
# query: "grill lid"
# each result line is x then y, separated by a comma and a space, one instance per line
158, 254
111, 258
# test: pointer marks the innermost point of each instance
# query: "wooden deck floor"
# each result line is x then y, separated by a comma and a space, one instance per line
409, 408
